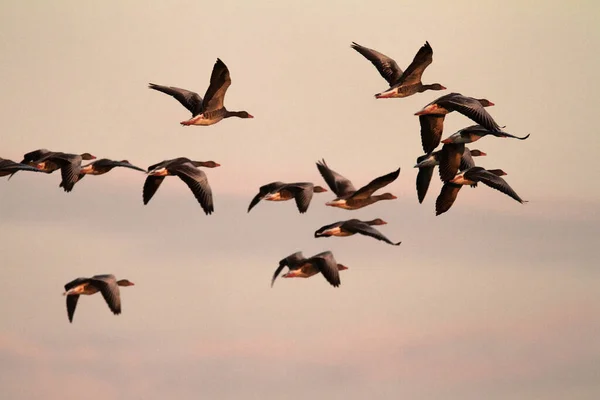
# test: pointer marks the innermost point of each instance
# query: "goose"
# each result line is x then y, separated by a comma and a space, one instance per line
9, 167
472, 176
427, 162
353, 226
348, 197
302, 192
210, 110
473, 133
432, 122
402, 84
32, 156
188, 172
105, 284
69, 164
300, 267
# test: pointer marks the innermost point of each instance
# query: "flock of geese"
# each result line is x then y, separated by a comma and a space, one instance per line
455, 161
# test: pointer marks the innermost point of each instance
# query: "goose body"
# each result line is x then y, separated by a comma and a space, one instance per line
348, 197
301, 192
105, 284
188, 172
211, 109
402, 83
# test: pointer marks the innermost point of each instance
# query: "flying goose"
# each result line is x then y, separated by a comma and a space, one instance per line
300, 267
353, 226
472, 176
69, 164
105, 284
210, 110
32, 156
402, 84
432, 122
347, 196
188, 172
302, 192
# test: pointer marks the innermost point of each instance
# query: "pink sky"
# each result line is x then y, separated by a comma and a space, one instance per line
492, 300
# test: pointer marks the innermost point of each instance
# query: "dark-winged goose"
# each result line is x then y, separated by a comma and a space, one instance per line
347, 196
105, 284
210, 110
302, 192
188, 172
70, 166
402, 84
300, 267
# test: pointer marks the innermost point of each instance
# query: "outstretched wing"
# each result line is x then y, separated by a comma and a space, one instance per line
190, 100
492, 180
367, 230
446, 197
151, 185
376, 184
198, 184
338, 184
422, 59
386, 66
219, 83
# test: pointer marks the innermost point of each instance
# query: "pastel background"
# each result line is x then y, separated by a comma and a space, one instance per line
491, 300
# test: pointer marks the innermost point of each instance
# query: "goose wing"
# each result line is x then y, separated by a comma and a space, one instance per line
432, 127
493, 181
151, 185
292, 262
423, 180
450, 158
198, 183
35, 155
107, 285
386, 66
471, 108
124, 164
219, 83
190, 100
338, 184
357, 226
326, 264
422, 59
446, 198
303, 193
376, 184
